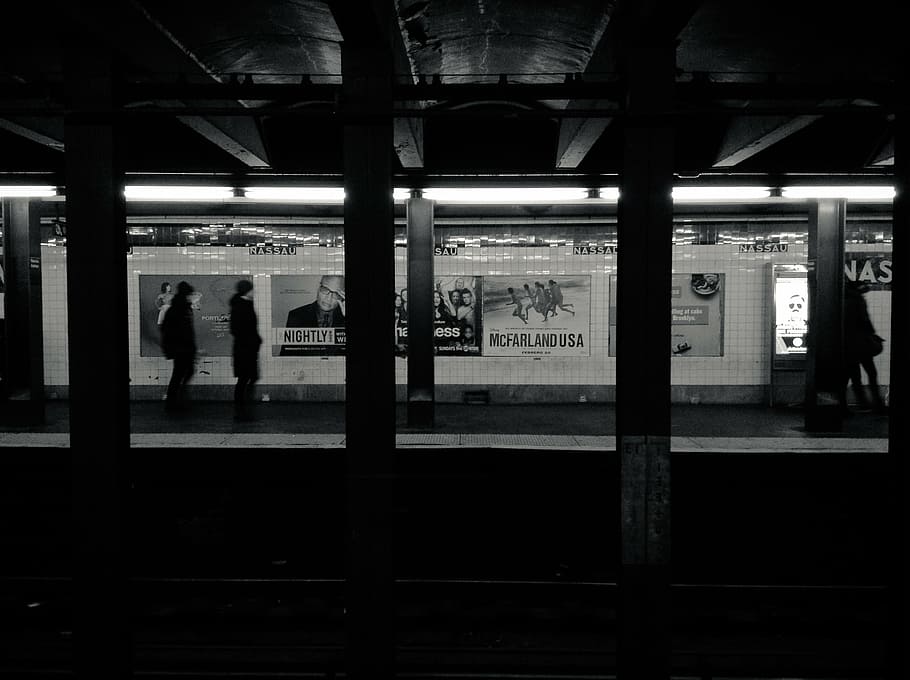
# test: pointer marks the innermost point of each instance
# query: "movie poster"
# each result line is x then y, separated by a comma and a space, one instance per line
696, 315
308, 315
457, 319
543, 317
210, 302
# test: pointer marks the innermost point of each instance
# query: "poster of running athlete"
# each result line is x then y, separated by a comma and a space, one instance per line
457, 319
210, 302
696, 315
527, 317
308, 315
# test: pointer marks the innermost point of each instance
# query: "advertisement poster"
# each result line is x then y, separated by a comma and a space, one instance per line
696, 315
308, 315
537, 317
791, 314
457, 320
211, 311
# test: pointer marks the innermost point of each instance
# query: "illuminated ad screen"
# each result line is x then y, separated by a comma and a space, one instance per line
791, 313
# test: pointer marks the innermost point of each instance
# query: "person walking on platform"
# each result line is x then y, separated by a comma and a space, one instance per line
178, 340
861, 345
245, 329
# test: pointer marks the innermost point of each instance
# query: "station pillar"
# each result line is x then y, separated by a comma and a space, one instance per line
897, 484
369, 242
644, 266
22, 370
98, 331
421, 375
825, 386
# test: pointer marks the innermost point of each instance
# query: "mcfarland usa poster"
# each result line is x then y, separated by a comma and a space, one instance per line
549, 316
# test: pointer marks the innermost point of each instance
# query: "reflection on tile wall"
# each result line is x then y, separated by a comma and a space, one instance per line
560, 252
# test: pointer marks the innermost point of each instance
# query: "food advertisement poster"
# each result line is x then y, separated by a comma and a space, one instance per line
696, 315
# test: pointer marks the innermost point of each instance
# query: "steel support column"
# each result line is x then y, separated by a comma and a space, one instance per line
98, 365
825, 386
23, 358
898, 483
421, 375
369, 228
645, 226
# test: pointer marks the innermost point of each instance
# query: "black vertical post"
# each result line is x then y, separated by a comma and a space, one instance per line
98, 365
645, 225
825, 358
369, 228
24, 359
898, 483
421, 375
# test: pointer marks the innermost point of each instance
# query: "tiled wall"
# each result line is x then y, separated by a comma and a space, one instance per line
738, 375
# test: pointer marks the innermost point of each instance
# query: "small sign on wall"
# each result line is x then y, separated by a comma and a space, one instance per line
273, 250
764, 247
445, 250
593, 250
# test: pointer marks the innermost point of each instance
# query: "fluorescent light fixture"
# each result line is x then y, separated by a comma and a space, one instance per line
138, 192
493, 195
609, 194
304, 194
27, 191
400, 194
719, 194
854, 193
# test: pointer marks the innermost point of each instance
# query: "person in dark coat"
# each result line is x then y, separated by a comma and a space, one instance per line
858, 335
245, 329
178, 340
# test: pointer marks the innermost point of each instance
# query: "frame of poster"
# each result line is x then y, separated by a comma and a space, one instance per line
458, 318
308, 315
789, 316
544, 316
211, 310
696, 315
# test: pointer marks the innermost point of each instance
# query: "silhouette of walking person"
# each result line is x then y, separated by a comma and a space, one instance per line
859, 340
245, 329
178, 340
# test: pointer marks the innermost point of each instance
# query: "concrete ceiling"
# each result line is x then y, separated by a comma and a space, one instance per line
784, 87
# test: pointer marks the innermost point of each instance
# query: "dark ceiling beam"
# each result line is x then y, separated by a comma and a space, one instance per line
375, 23
131, 29
884, 155
46, 131
746, 137
630, 21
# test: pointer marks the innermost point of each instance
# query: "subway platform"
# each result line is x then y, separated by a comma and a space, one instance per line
561, 426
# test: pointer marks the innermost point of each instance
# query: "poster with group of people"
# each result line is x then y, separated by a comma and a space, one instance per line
526, 317
457, 316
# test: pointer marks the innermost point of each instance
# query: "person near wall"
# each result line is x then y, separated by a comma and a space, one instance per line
861, 345
178, 340
245, 329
